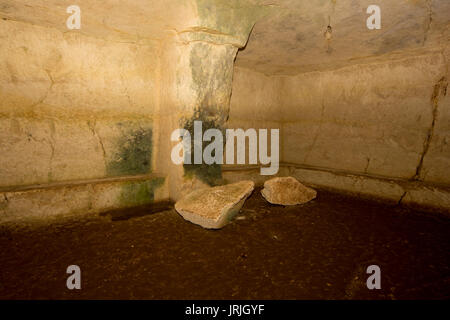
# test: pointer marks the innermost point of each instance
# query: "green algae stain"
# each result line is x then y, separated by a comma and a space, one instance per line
212, 82
232, 17
139, 193
210, 174
134, 152
211, 73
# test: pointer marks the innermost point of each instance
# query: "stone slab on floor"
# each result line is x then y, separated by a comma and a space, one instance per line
287, 191
213, 208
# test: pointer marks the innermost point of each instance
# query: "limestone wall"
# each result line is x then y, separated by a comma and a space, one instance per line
86, 116
256, 102
77, 113
380, 128
376, 119
73, 107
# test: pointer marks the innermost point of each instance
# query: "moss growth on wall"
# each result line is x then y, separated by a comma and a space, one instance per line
212, 71
134, 151
212, 74
139, 193
231, 17
209, 174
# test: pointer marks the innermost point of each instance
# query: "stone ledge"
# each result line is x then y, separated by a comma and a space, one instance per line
413, 194
80, 197
60, 184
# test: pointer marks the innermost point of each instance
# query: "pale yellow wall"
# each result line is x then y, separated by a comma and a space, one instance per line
365, 119
70, 104
256, 102
102, 102
370, 119
98, 105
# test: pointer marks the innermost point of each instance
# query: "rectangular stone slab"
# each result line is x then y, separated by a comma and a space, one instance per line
213, 208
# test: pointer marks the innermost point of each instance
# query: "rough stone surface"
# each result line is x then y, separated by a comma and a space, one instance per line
405, 193
370, 187
57, 200
67, 112
368, 118
214, 207
287, 191
102, 101
290, 40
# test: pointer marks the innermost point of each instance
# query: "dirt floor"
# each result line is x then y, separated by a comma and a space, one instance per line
319, 250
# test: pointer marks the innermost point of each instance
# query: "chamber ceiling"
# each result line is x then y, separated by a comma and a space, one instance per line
137, 21
291, 39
